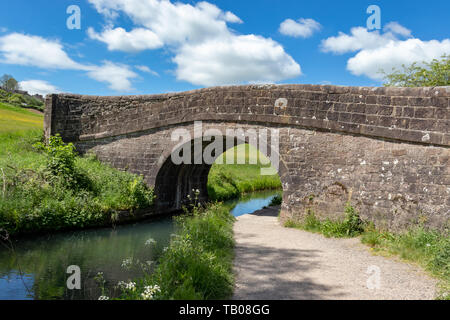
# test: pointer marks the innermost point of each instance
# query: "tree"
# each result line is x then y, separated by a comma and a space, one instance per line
8, 83
427, 74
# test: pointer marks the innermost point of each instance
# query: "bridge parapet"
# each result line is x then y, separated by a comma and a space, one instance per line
417, 115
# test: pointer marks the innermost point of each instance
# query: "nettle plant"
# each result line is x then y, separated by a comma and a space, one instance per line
61, 158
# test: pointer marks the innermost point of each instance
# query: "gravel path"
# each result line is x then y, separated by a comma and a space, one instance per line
273, 262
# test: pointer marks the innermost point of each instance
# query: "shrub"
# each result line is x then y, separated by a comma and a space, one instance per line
276, 201
60, 160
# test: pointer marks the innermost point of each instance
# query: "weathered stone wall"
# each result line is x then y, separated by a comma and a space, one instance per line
385, 149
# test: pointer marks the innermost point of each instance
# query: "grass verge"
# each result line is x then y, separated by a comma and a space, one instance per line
427, 248
229, 181
197, 265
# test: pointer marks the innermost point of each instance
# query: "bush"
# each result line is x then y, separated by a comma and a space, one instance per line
276, 201
60, 160
16, 99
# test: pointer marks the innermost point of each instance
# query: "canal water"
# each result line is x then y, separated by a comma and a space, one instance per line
36, 268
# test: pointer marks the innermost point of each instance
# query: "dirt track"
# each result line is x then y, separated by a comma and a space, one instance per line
273, 262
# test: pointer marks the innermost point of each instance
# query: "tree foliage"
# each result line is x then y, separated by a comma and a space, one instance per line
426, 74
8, 83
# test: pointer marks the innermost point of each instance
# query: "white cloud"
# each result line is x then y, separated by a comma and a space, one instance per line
383, 51
173, 23
240, 59
27, 50
35, 51
134, 41
304, 28
394, 55
397, 28
3, 29
38, 87
359, 38
205, 50
147, 70
116, 75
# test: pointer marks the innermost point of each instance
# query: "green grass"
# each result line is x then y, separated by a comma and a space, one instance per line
427, 248
350, 226
32, 202
197, 265
228, 181
15, 119
430, 249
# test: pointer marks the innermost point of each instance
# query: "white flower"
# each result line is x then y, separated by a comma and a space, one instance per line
126, 264
149, 292
131, 286
150, 242
103, 298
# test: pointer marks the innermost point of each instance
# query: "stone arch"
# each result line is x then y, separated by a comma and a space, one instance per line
173, 183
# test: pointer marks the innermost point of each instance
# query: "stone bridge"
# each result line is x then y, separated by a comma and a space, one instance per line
384, 149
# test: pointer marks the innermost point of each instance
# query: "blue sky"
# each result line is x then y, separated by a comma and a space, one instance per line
153, 46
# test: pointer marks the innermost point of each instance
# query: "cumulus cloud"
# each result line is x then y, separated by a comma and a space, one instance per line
303, 28
378, 51
205, 50
134, 41
27, 50
173, 23
35, 51
241, 59
116, 75
38, 87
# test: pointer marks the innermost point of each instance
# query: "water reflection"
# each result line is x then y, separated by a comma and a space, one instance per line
36, 267
44, 260
252, 202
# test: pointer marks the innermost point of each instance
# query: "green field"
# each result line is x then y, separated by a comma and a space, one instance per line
228, 181
14, 119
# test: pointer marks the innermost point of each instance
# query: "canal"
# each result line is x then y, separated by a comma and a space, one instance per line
35, 268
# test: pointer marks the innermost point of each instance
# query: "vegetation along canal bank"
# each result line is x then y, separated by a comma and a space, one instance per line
49, 188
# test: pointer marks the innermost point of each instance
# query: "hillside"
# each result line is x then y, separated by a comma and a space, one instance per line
22, 100
14, 118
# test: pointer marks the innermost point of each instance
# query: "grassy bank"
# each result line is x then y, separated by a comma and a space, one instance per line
197, 265
427, 248
228, 181
48, 189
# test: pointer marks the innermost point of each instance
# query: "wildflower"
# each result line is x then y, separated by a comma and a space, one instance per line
150, 242
126, 264
130, 286
149, 292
